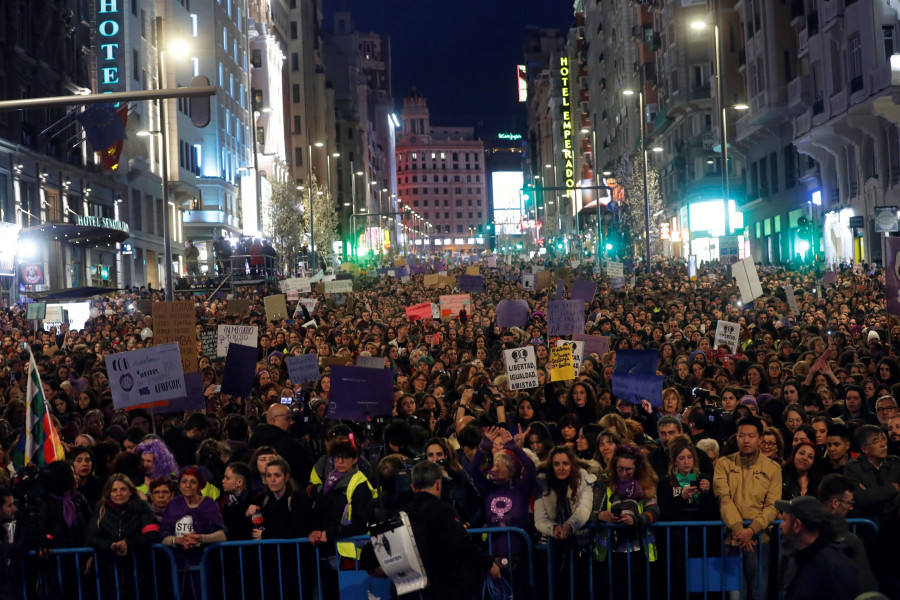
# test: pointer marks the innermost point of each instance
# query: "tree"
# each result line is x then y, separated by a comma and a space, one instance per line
284, 226
325, 219
632, 213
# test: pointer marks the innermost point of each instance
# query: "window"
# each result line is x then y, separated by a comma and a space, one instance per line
470, 215
673, 82
479, 215
297, 124
855, 58
470, 202
416, 203
458, 202
700, 77
293, 30
457, 190
773, 171
447, 216
446, 202
459, 229
295, 61
888, 32
298, 157
295, 93
136, 65
790, 172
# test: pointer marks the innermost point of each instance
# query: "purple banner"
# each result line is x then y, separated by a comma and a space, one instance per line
891, 275
565, 317
359, 392
240, 364
471, 283
583, 290
598, 344
512, 313
418, 270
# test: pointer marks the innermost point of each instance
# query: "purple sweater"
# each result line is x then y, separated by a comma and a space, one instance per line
507, 504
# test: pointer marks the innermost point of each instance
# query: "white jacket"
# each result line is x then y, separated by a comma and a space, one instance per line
581, 503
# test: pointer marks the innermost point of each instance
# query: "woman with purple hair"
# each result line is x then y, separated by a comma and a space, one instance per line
156, 461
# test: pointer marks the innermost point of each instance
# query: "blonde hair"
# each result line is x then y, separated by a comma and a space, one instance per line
107, 490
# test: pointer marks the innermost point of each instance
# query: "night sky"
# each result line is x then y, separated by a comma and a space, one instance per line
460, 54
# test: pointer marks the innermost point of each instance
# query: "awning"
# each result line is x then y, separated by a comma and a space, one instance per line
78, 293
83, 235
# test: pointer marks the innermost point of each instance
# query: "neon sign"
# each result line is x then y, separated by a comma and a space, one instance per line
568, 156
108, 29
509, 136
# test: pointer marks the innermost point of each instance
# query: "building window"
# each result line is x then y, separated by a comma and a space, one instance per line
295, 61
136, 65
888, 32
295, 92
293, 30
298, 157
458, 202
855, 60
297, 124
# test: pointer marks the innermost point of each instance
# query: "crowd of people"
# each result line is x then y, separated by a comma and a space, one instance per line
800, 422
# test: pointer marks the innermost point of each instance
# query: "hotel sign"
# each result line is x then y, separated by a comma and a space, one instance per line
104, 222
567, 153
109, 58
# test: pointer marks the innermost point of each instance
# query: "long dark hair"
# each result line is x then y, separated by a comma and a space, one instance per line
557, 485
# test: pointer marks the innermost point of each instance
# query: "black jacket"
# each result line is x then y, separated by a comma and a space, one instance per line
136, 524
822, 570
450, 555
288, 517
237, 523
288, 447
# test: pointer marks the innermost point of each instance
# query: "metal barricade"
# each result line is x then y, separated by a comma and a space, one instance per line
83, 574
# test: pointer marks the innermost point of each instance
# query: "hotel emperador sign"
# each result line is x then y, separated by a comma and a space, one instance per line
568, 155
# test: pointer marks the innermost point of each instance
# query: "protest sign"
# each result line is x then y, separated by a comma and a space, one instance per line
593, 344
339, 286
471, 283
561, 367
295, 284
238, 307
358, 393
193, 399
492, 262
830, 277
303, 368
245, 335
439, 280
309, 303
370, 362
537, 268
577, 353
240, 366
144, 306
292, 295
35, 310
177, 322
473, 271
727, 334
634, 378
542, 280
452, 304
792, 300
583, 290
565, 317
521, 368
331, 361
512, 313
146, 375
744, 272
276, 307
560, 289
528, 281
419, 311
614, 270
209, 341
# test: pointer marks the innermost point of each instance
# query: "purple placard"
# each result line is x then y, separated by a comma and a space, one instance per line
303, 368
891, 278
593, 344
512, 313
193, 400
401, 272
357, 393
565, 317
583, 290
560, 289
418, 270
240, 364
471, 283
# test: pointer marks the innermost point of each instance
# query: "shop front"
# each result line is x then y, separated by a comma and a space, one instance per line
703, 231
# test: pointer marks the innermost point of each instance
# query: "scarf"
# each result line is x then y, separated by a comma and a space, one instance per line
685, 481
628, 489
332, 480
70, 515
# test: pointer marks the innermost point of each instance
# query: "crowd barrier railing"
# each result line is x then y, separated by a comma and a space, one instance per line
83, 574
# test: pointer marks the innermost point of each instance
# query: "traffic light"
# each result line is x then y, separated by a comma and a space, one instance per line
804, 232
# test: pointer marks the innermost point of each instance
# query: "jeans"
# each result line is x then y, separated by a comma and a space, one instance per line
755, 571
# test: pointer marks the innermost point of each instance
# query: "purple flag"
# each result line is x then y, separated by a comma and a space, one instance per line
240, 364
891, 275
512, 313
359, 392
583, 290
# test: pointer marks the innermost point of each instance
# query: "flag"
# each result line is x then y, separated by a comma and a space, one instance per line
102, 125
110, 156
39, 444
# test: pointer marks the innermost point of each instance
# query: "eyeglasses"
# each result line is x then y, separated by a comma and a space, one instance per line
849, 502
884, 409
625, 469
768, 444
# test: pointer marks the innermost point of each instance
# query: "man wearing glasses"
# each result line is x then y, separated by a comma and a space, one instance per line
876, 477
885, 408
836, 495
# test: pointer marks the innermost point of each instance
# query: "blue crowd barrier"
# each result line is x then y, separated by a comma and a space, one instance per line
83, 574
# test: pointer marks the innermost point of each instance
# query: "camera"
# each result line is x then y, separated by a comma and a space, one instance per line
700, 393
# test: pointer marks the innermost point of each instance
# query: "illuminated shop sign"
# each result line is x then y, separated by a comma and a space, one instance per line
102, 222
109, 29
568, 156
509, 136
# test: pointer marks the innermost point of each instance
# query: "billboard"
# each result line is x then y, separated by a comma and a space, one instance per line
523, 82
506, 189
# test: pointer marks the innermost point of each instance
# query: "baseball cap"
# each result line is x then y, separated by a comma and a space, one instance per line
805, 508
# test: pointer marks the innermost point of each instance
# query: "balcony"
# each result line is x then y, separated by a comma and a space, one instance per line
802, 41
856, 84
812, 23
838, 102
797, 11
834, 11
209, 217
802, 123
800, 94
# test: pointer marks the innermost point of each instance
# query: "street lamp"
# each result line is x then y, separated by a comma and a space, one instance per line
644, 169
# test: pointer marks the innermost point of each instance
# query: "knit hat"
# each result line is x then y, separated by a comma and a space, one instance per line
278, 354
872, 337
749, 400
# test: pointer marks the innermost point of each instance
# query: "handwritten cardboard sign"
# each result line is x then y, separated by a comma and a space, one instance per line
561, 363
565, 317
175, 322
245, 335
303, 368
452, 304
339, 286
577, 353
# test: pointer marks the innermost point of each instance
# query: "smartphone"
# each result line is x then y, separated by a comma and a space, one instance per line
218, 388
287, 400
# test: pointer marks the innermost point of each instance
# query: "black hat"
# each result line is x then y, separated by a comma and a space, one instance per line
805, 508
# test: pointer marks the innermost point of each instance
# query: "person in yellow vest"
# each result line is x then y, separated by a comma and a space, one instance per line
341, 505
626, 496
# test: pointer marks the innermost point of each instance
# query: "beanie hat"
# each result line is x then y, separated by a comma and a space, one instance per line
749, 400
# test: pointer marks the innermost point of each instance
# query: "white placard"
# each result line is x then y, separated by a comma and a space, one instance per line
296, 284
339, 286
792, 300
727, 333
615, 270
147, 375
744, 272
309, 303
370, 362
528, 281
246, 335
577, 353
521, 368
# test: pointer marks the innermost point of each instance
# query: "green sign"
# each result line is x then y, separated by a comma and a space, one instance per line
509, 136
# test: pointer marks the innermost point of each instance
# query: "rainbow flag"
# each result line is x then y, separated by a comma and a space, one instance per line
39, 443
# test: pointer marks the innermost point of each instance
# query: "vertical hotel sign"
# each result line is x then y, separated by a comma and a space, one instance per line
568, 155
109, 40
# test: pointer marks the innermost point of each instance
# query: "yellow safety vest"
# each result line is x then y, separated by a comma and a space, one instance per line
601, 539
350, 549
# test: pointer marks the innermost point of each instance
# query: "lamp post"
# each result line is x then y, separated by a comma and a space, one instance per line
164, 162
644, 174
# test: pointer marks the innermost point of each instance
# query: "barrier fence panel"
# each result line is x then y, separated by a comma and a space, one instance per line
83, 574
